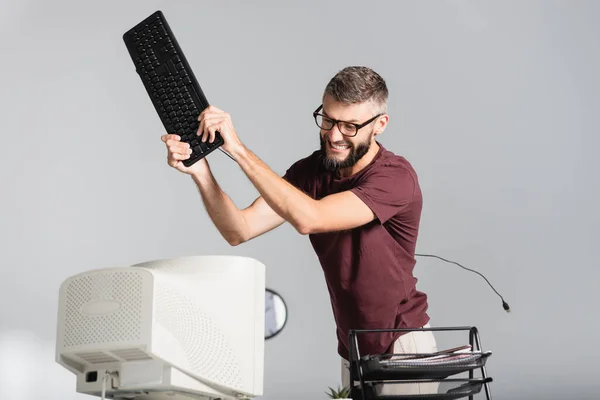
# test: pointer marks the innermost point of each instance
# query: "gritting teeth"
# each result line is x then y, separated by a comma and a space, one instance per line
339, 147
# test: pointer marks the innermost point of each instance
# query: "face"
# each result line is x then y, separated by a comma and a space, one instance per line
343, 151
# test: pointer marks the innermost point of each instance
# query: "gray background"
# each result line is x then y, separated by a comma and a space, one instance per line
494, 103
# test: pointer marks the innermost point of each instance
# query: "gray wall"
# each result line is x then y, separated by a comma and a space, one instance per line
494, 103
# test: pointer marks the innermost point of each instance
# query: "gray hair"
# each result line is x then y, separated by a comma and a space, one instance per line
356, 84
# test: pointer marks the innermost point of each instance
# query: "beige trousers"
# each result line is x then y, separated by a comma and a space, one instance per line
411, 342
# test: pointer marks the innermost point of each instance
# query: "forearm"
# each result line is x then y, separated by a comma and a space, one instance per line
224, 214
286, 200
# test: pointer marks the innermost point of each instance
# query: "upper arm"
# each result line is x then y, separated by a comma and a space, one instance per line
260, 218
381, 195
340, 211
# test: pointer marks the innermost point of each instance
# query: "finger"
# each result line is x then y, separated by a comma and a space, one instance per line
205, 133
179, 150
172, 162
200, 128
211, 126
203, 122
208, 112
174, 158
180, 147
212, 118
180, 156
170, 136
203, 113
207, 122
212, 131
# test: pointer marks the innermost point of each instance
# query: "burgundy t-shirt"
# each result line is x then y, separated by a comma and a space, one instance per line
369, 269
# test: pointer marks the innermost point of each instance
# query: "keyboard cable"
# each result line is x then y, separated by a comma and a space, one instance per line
504, 303
224, 152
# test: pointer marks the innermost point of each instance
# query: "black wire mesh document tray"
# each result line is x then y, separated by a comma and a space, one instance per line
449, 389
170, 82
419, 366
393, 376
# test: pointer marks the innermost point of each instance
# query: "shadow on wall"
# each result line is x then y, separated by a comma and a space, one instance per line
28, 370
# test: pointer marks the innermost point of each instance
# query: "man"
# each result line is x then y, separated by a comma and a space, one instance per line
359, 203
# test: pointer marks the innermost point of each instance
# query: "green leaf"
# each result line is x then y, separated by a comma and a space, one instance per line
340, 393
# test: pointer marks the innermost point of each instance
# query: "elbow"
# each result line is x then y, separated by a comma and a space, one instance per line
305, 228
234, 241
308, 224
240, 235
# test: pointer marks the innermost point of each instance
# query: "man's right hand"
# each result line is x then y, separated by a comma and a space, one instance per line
179, 151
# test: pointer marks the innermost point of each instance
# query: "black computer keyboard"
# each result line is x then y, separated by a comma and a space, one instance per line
170, 82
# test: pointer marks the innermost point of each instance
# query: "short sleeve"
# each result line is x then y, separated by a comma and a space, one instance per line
294, 174
387, 191
301, 174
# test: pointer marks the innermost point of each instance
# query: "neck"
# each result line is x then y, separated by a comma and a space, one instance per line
362, 163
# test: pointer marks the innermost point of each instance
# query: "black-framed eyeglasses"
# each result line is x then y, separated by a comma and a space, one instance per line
346, 128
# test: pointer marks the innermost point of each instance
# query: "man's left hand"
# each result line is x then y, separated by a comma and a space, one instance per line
212, 120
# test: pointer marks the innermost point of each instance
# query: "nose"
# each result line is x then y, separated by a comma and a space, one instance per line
335, 135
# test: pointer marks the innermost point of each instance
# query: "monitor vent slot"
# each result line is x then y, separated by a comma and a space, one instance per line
131, 354
96, 357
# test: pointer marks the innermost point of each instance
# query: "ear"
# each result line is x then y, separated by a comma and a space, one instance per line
380, 124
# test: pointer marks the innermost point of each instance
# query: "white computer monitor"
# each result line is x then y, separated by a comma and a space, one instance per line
181, 328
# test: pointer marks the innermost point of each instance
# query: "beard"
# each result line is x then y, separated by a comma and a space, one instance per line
334, 164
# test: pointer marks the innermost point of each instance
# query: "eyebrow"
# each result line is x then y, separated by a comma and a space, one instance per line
353, 121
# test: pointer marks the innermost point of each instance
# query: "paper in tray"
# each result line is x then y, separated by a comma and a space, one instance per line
446, 359
435, 367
